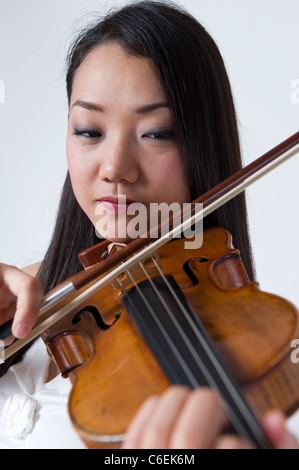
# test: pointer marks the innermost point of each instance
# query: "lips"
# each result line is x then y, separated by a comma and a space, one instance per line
118, 204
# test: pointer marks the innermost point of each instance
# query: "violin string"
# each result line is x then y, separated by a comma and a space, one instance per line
241, 406
238, 425
188, 343
164, 332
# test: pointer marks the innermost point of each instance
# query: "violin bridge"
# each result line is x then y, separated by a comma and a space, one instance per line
142, 270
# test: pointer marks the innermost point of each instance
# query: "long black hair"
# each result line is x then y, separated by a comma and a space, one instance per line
191, 70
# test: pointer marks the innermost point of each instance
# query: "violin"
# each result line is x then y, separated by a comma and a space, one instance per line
156, 313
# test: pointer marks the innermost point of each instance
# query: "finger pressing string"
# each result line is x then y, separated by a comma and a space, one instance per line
201, 421
137, 425
274, 425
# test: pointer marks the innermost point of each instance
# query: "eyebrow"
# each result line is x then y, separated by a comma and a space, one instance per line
151, 107
142, 110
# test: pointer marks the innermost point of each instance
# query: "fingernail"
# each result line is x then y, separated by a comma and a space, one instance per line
21, 330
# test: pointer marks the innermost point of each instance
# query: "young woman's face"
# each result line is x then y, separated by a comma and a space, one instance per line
121, 146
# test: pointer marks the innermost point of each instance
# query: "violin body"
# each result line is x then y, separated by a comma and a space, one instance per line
113, 369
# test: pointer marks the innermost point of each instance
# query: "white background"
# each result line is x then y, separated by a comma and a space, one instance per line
259, 40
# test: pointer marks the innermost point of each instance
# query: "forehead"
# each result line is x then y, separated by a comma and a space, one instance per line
108, 73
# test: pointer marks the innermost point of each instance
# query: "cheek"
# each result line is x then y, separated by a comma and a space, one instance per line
80, 162
170, 182
73, 158
79, 173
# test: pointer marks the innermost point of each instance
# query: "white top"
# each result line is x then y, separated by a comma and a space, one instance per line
33, 414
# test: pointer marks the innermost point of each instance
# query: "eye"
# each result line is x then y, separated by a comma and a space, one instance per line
165, 134
90, 134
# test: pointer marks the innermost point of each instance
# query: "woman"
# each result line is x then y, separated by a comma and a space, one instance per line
149, 103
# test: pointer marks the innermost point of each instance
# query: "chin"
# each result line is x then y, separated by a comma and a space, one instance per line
115, 232
114, 238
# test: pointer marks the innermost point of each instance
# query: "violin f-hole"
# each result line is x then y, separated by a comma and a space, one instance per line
96, 315
190, 273
73, 348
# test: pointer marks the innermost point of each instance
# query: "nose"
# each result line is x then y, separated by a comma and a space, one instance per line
118, 162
